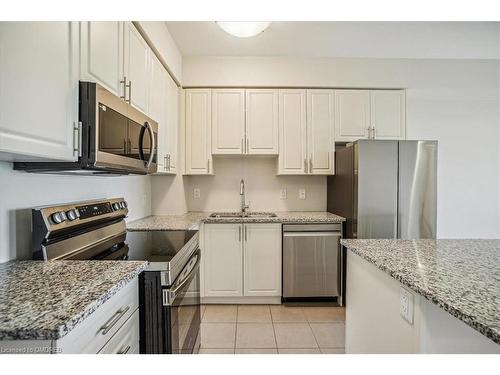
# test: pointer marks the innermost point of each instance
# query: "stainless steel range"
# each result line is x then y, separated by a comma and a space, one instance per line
169, 292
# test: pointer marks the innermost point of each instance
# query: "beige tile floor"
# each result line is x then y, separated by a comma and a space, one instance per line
272, 329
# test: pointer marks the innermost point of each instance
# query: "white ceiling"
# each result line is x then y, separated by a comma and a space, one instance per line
455, 40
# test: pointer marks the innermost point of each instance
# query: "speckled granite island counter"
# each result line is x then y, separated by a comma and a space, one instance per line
462, 277
46, 300
191, 220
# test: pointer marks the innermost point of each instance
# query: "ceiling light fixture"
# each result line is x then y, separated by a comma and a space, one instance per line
243, 29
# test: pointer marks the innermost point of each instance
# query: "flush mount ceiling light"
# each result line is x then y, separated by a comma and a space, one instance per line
243, 29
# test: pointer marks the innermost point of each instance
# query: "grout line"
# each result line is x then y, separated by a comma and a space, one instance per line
274, 331
236, 329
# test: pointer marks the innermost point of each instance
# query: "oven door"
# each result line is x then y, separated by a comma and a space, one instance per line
182, 305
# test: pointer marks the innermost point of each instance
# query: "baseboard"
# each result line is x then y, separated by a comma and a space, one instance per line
242, 300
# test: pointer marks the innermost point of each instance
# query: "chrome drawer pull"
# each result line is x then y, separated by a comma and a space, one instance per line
123, 350
113, 320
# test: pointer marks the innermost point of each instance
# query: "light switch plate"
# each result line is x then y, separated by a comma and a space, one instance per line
302, 193
283, 193
196, 193
406, 304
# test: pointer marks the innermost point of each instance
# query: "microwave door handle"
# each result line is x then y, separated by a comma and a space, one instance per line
151, 142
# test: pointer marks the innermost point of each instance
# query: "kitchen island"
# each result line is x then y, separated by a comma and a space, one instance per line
449, 290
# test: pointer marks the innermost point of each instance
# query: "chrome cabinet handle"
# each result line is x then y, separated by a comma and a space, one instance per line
239, 233
124, 81
248, 144
125, 146
310, 165
208, 165
129, 92
305, 165
123, 350
113, 320
242, 146
245, 229
77, 143
373, 132
369, 132
168, 162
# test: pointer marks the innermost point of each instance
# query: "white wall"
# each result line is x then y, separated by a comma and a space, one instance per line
452, 101
20, 191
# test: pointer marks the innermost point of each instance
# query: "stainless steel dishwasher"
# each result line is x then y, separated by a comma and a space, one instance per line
312, 262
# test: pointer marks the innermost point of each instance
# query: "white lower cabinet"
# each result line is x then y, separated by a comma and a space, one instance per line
262, 260
223, 260
241, 260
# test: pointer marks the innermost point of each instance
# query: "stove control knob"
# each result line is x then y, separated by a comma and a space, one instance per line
58, 217
125, 205
116, 206
73, 214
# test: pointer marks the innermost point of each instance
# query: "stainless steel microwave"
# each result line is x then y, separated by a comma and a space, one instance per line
115, 138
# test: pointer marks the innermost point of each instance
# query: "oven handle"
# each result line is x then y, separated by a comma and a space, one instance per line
169, 295
151, 143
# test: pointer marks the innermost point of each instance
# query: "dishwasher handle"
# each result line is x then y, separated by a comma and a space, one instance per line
312, 234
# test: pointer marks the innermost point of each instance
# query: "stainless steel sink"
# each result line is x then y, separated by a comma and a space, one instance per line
258, 215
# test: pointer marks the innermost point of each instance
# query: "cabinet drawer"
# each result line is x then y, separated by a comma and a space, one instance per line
95, 331
126, 340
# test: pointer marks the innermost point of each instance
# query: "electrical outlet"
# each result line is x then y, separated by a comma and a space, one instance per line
196, 193
302, 193
283, 193
406, 305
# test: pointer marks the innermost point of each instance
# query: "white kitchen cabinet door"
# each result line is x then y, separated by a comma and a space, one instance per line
320, 131
292, 157
158, 109
137, 66
228, 121
388, 114
261, 122
198, 130
101, 54
352, 115
172, 124
262, 260
38, 90
222, 260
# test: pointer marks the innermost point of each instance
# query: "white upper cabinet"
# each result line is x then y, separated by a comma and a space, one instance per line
262, 260
136, 68
198, 129
158, 109
172, 125
320, 131
306, 123
228, 121
387, 114
292, 157
369, 114
101, 49
38, 90
261, 122
223, 260
352, 115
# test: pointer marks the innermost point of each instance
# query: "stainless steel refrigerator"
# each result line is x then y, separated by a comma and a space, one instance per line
385, 189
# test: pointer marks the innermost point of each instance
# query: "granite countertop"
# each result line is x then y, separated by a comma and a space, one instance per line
46, 300
460, 276
191, 220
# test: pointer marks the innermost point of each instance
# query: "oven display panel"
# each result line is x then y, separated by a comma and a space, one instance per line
93, 210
